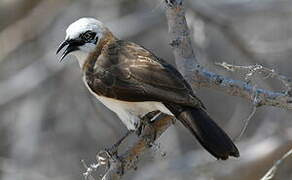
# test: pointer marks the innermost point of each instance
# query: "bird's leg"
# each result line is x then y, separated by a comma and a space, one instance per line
113, 150
146, 119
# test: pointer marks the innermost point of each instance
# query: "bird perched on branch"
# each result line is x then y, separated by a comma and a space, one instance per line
132, 81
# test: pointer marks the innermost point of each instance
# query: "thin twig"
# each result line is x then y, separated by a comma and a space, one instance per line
245, 124
257, 68
271, 173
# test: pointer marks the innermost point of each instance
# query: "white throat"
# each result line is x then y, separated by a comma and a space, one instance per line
81, 57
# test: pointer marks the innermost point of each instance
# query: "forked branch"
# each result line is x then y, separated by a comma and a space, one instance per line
199, 77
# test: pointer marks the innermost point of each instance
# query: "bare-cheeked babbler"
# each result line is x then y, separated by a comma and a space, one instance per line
132, 81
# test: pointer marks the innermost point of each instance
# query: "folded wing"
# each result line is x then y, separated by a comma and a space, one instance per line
129, 72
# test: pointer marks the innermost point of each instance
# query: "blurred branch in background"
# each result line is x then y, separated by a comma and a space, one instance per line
256, 156
215, 18
271, 173
29, 27
29, 78
19, 7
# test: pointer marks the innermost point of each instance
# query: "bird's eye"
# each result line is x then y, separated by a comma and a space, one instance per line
88, 36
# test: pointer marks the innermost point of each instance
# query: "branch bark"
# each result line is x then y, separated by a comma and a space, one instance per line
129, 159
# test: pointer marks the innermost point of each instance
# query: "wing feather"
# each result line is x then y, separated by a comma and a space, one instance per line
129, 72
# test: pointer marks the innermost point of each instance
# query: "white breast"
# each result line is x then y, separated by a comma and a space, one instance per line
130, 112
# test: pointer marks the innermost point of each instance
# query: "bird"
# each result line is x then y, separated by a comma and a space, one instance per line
132, 81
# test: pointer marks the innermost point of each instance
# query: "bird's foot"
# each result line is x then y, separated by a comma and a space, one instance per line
146, 120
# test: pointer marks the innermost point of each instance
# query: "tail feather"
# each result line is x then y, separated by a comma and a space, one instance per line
208, 133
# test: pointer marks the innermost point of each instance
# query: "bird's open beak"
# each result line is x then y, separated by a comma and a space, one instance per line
72, 46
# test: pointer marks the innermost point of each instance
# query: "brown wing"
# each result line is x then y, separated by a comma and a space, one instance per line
127, 71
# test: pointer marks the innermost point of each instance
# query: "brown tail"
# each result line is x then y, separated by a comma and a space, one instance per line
208, 133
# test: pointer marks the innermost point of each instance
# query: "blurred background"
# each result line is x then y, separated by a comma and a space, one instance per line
49, 121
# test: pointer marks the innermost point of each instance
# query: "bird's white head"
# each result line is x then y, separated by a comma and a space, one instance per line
82, 38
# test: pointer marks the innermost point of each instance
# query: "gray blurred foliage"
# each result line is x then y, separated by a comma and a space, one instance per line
49, 122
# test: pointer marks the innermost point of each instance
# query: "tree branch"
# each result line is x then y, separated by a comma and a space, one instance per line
202, 78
